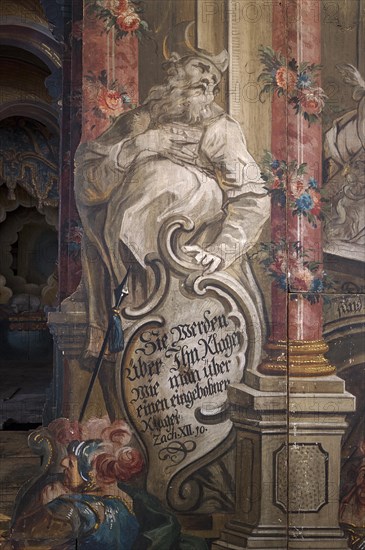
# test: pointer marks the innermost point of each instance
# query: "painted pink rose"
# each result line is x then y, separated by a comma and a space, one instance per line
110, 102
279, 265
116, 6
295, 263
302, 279
312, 101
317, 203
129, 21
297, 188
123, 6
276, 184
75, 235
286, 79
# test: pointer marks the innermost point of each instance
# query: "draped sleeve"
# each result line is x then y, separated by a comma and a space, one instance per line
101, 164
247, 204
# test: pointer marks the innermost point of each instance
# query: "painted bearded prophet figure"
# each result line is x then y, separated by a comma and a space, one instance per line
179, 154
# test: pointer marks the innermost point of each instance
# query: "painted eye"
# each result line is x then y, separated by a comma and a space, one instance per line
203, 68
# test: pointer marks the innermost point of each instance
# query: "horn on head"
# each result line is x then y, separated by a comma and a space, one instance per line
165, 51
179, 42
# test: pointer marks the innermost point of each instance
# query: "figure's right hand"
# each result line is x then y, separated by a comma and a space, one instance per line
209, 262
172, 142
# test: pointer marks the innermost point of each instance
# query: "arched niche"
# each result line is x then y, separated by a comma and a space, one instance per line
33, 38
43, 113
33, 45
29, 246
28, 210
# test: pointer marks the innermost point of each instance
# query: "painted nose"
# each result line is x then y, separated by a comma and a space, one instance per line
208, 82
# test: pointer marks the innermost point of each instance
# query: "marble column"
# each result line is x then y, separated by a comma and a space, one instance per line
290, 416
65, 19
102, 71
296, 346
69, 263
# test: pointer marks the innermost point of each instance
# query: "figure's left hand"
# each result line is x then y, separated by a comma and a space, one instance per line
209, 262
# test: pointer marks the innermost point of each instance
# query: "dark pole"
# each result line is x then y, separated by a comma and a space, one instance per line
120, 293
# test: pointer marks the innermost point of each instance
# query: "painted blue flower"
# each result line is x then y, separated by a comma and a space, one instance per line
304, 81
313, 183
275, 164
304, 203
282, 281
74, 247
282, 199
279, 174
317, 285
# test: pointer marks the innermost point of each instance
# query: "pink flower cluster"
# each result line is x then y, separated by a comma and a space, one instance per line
309, 99
312, 101
300, 277
108, 96
126, 17
286, 79
280, 263
305, 197
110, 102
289, 186
298, 82
290, 266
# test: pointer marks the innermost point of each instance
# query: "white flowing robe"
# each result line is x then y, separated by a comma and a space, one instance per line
125, 195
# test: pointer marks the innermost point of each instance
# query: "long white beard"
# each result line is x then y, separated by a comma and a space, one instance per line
179, 104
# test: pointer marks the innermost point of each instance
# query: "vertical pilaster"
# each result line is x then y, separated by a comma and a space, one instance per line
296, 347
70, 126
100, 82
291, 415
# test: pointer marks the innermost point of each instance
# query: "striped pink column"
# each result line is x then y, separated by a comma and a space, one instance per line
296, 345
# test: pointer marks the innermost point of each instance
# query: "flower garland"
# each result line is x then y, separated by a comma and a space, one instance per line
292, 271
298, 83
122, 15
288, 184
111, 99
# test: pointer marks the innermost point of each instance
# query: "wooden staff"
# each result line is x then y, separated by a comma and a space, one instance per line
114, 323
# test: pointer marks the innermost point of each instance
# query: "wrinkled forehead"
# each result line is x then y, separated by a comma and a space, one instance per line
199, 66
